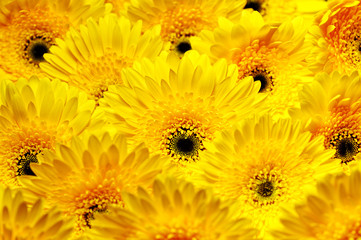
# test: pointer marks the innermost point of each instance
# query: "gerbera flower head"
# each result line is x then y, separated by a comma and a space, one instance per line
181, 19
20, 221
272, 56
175, 210
336, 38
333, 213
263, 165
90, 175
28, 28
175, 106
92, 59
331, 106
34, 115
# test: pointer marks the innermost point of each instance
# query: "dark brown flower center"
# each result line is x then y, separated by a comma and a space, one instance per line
255, 5
346, 149
24, 164
35, 47
183, 47
265, 189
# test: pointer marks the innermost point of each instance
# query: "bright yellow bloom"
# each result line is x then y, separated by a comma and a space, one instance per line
331, 106
18, 221
181, 19
28, 28
273, 56
92, 59
90, 175
336, 38
334, 213
176, 211
263, 165
175, 106
34, 115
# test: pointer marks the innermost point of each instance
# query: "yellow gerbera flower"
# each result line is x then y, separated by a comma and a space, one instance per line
19, 221
175, 106
263, 165
181, 19
34, 115
28, 28
91, 174
176, 210
331, 106
278, 11
93, 58
336, 38
334, 213
273, 56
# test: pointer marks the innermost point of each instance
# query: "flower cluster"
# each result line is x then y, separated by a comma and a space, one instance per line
180, 119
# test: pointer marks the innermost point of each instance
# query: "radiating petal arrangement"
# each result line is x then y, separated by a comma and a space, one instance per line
180, 119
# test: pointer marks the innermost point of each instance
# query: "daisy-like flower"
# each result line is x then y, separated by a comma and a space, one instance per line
334, 213
92, 59
28, 28
176, 210
278, 11
336, 38
331, 106
181, 19
20, 221
273, 56
263, 165
34, 115
175, 106
90, 175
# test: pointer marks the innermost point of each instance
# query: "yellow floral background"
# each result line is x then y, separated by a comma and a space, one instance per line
180, 119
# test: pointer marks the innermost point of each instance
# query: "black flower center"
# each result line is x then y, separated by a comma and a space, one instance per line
185, 145
265, 82
35, 47
38, 50
265, 189
255, 5
89, 215
183, 47
346, 149
24, 164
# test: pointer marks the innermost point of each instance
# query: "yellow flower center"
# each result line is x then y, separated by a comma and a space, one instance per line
266, 188
256, 61
94, 201
183, 140
95, 74
342, 133
184, 22
28, 35
344, 37
19, 147
178, 234
353, 232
